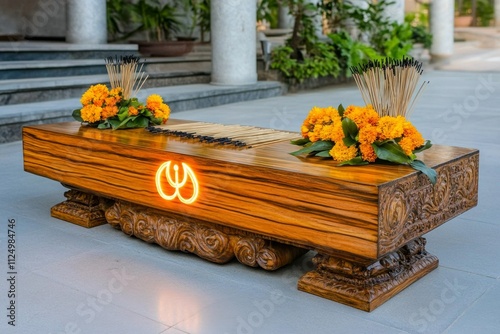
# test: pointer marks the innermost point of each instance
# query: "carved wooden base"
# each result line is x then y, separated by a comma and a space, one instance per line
209, 241
80, 208
367, 287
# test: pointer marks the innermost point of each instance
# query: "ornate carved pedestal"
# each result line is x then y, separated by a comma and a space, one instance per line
80, 208
368, 286
211, 242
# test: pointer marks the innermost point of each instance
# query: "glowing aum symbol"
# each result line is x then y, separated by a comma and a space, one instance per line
188, 173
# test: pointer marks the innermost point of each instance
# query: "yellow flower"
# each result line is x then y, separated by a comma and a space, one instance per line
340, 152
368, 134
367, 152
153, 102
91, 113
411, 138
362, 116
109, 111
319, 123
96, 95
132, 111
390, 127
163, 112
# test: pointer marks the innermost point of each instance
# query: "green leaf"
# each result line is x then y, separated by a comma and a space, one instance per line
300, 142
348, 141
357, 161
426, 145
323, 154
429, 172
77, 115
115, 123
315, 147
123, 113
341, 110
141, 122
390, 151
350, 129
103, 125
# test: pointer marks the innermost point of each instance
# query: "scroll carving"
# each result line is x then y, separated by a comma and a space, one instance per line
208, 241
367, 286
413, 207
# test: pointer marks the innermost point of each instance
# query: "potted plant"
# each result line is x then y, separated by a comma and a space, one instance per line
463, 13
158, 22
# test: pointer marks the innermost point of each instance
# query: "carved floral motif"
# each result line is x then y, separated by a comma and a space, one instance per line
413, 207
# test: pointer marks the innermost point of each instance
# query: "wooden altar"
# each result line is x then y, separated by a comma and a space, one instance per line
261, 205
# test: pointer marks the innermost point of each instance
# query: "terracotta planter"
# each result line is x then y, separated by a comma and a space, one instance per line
463, 21
165, 48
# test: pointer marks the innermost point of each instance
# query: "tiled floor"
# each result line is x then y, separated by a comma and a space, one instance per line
76, 280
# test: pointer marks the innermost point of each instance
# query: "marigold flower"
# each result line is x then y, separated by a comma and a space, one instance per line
368, 134
319, 123
362, 116
91, 113
132, 111
367, 152
390, 127
340, 152
109, 111
153, 102
96, 95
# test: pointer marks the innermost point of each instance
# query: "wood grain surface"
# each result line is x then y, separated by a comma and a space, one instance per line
309, 203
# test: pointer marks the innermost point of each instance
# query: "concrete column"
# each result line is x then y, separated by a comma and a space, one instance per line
234, 49
442, 25
285, 20
396, 11
497, 13
86, 22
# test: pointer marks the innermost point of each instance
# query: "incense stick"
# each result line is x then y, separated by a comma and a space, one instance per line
219, 134
123, 72
389, 85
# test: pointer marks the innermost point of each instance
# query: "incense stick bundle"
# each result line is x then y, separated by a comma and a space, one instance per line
389, 85
124, 72
235, 135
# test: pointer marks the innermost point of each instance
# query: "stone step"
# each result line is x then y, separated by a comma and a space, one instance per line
24, 69
179, 98
33, 50
18, 91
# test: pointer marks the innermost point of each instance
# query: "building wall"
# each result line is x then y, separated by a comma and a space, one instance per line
34, 18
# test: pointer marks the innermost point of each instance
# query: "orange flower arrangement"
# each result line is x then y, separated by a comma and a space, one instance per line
108, 109
358, 136
115, 108
361, 135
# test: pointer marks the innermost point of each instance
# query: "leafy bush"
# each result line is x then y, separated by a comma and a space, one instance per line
321, 61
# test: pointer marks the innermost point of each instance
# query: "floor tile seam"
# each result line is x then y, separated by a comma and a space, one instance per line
468, 308
486, 276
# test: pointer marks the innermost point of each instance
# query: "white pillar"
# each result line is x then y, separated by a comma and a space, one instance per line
86, 22
234, 49
497, 13
396, 11
442, 25
285, 20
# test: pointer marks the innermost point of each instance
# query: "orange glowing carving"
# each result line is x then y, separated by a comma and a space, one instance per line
175, 184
